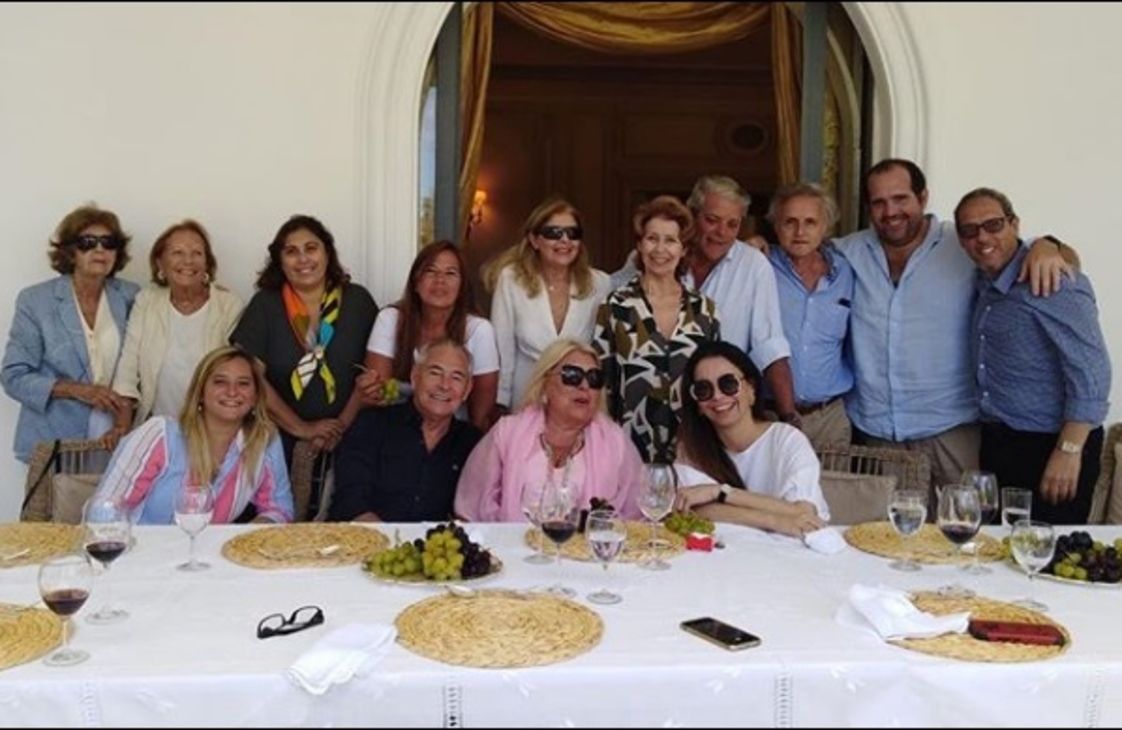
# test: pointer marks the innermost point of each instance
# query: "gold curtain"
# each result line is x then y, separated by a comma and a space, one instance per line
632, 28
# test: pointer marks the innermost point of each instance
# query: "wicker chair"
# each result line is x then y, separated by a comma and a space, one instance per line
304, 476
857, 481
61, 476
1106, 504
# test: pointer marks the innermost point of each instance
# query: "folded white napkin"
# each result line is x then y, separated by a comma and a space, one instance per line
337, 657
826, 541
892, 615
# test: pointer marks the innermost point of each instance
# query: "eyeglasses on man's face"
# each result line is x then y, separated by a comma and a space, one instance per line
572, 375
555, 233
703, 390
968, 231
88, 242
275, 624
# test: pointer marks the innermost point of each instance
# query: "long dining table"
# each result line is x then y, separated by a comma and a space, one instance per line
188, 654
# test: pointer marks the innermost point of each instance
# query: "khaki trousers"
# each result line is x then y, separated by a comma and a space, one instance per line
950, 452
827, 425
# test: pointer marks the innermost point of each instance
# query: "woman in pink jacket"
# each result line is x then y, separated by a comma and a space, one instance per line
560, 433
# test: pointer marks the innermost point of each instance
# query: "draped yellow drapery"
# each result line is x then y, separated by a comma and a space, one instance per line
630, 28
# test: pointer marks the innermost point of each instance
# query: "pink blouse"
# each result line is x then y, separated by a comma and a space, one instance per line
509, 459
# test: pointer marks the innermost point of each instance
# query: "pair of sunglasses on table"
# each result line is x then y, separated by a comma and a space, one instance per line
276, 624
88, 242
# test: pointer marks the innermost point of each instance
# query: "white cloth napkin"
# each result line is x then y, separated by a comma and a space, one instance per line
826, 541
337, 657
892, 615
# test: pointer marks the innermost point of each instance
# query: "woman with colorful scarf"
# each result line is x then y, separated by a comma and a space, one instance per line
307, 326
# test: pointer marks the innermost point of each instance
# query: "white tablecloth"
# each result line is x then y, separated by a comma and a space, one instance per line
188, 654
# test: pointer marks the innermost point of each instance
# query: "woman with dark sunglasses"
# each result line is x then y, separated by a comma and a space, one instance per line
559, 435
649, 327
543, 289
733, 465
67, 333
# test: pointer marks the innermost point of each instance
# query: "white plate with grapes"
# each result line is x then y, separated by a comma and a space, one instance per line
446, 555
1077, 566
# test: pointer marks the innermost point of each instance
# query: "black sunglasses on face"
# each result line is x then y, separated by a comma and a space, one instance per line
554, 233
971, 230
571, 375
702, 390
276, 624
88, 242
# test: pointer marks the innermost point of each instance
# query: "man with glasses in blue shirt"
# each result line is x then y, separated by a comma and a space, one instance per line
910, 324
1040, 364
815, 295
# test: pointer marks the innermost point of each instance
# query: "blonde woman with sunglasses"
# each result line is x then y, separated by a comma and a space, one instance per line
559, 435
544, 288
733, 465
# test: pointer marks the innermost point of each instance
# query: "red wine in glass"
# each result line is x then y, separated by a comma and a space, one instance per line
106, 551
65, 601
959, 533
559, 531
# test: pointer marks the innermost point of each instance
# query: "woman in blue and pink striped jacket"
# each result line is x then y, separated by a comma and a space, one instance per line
223, 437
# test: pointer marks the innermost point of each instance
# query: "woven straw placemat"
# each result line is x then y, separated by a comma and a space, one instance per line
30, 543
498, 628
26, 633
634, 548
966, 647
926, 546
304, 545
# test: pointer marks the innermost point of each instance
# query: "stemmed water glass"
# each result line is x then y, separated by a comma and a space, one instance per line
558, 515
606, 533
64, 585
656, 498
194, 507
907, 510
959, 516
986, 484
1034, 544
530, 512
107, 530
1016, 505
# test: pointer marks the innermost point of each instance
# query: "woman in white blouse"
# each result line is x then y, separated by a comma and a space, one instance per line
544, 288
436, 304
733, 465
177, 320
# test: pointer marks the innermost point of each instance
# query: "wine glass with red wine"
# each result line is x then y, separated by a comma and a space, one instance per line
558, 517
64, 585
107, 525
986, 484
959, 516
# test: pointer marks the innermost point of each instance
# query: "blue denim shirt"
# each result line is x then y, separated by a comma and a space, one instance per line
1038, 361
815, 324
910, 341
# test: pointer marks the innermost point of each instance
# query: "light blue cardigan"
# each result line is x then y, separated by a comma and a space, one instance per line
47, 344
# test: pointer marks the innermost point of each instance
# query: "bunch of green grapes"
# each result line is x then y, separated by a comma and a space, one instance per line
1079, 557
391, 391
399, 562
683, 523
442, 559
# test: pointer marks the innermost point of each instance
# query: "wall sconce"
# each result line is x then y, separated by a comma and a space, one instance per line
477, 204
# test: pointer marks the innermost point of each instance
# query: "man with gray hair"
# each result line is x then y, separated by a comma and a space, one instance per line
740, 280
815, 297
401, 463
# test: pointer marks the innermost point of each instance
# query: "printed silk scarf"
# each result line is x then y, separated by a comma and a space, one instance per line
314, 355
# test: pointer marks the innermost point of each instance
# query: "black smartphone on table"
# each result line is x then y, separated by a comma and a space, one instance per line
723, 635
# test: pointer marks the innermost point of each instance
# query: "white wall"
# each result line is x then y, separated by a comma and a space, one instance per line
243, 114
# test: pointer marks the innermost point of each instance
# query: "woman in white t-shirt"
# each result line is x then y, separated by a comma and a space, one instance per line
733, 465
436, 304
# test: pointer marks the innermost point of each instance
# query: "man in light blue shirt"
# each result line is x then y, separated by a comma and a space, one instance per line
815, 295
740, 280
910, 324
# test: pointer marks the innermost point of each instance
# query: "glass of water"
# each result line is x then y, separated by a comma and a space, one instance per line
606, 533
907, 510
1016, 505
1034, 544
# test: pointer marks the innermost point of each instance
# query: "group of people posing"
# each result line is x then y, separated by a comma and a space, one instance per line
731, 359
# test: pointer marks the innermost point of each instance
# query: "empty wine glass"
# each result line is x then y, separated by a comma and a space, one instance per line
1016, 505
194, 507
107, 530
530, 512
907, 510
959, 516
606, 533
656, 498
64, 585
986, 484
558, 515
1034, 544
